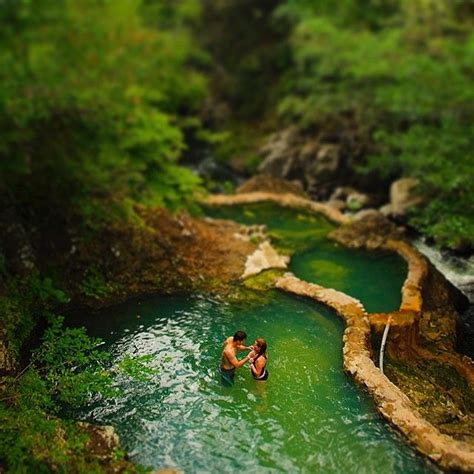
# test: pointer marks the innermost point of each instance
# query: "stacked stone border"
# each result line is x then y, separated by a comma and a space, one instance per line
390, 401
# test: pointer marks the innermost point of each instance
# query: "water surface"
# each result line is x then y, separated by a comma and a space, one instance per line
308, 416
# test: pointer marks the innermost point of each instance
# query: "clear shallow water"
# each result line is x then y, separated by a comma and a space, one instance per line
308, 417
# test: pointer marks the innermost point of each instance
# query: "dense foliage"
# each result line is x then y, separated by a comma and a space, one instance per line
93, 105
66, 369
96, 98
99, 101
400, 72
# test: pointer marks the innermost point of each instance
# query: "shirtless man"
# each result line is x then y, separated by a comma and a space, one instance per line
229, 361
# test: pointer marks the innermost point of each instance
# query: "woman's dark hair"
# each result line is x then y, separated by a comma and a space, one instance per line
262, 345
240, 336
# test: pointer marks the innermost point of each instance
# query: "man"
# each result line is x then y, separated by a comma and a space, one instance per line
229, 361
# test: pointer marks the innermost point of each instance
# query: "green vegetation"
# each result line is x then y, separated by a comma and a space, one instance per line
94, 104
264, 280
99, 102
398, 76
95, 286
96, 99
65, 370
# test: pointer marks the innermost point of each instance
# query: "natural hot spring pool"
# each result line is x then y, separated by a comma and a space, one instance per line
308, 417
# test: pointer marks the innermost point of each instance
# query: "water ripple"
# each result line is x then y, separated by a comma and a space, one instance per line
307, 417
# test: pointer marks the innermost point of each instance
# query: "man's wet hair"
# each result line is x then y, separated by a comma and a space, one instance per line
240, 336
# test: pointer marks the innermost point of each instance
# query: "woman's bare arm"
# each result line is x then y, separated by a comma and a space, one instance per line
257, 366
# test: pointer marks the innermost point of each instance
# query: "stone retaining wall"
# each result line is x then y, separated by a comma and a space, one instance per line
287, 200
391, 402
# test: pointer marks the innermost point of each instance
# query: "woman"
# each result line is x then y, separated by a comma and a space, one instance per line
258, 360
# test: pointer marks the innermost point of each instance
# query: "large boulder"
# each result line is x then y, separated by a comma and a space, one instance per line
403, 196
281, 154
321, 166
316, 163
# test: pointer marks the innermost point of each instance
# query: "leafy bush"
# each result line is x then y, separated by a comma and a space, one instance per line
91, 97
65, 370
95, 286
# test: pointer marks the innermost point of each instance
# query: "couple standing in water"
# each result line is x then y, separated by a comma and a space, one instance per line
257, 357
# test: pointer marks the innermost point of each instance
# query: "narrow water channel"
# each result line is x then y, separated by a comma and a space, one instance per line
308, 417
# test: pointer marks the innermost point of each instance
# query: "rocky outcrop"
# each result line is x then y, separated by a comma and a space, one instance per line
281, 154
264, 258
403, 196
315, 162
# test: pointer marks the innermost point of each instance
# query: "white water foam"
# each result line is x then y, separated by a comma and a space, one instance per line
459, 271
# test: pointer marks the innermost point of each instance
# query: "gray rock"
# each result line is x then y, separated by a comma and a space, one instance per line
323, 164
290, 155
281, 154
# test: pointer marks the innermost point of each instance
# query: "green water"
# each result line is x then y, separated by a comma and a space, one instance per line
308, 417
375, 278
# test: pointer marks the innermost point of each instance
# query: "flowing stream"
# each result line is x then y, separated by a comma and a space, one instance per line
308, 417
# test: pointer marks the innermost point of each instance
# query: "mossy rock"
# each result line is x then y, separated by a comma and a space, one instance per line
264, 280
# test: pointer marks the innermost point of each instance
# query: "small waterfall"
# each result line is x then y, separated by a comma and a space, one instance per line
459, 271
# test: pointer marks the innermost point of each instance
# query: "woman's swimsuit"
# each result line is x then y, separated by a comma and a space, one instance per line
264, 373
